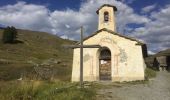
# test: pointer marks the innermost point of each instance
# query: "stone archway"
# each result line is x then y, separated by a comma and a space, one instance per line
105, 64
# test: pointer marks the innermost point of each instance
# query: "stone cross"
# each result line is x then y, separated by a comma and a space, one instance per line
81, 46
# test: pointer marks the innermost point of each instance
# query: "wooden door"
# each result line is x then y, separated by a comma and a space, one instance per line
105, 69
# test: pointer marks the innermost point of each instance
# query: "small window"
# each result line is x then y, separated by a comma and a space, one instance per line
106, 16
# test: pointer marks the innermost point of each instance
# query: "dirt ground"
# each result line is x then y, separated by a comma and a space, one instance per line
156, 89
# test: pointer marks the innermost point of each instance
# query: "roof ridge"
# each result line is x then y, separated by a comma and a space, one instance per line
115, 33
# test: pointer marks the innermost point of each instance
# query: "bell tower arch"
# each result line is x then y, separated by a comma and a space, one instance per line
107, 17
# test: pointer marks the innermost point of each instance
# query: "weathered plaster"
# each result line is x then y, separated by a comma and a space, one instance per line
132, 68
127, 63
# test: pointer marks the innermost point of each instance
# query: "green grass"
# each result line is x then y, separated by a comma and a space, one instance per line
13, 71
150, 73
37, 47
24, 70
43, 90
18, 60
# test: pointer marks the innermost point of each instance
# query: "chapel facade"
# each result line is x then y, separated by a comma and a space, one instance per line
120, 58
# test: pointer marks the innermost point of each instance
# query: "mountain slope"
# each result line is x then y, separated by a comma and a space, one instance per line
33, 48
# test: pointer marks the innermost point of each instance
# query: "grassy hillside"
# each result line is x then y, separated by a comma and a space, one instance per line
38, 57
36, 48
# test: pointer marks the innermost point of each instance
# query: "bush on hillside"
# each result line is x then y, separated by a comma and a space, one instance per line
150, 73
9, 35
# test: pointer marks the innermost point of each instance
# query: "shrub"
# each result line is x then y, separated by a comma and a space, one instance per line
150, 73
9, 35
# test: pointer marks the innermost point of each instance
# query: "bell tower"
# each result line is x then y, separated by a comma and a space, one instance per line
107, 17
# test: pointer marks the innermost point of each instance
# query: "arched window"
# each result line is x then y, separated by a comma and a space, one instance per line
105, 54
106, 16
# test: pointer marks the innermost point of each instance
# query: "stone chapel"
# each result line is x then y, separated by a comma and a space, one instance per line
120, 57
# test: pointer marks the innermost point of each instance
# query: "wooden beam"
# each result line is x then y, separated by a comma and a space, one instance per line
81, 59
81, 46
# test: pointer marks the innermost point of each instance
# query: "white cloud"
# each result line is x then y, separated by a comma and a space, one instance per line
64, 36
67, 23
156, 33
87, 17
150, 52
148, 8
26, 16
38, 17
67, 26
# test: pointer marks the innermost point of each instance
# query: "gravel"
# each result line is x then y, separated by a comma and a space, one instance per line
157, 89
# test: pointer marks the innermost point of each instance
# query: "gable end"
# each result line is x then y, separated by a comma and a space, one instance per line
114, 33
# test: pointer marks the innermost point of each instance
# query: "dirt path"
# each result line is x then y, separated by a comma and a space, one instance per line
156, 89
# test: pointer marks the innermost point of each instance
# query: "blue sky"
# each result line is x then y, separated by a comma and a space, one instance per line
147, 20
51, 4
137, 5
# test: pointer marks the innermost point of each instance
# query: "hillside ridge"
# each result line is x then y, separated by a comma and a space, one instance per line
36, 48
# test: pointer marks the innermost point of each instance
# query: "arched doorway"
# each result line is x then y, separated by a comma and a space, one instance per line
105, 64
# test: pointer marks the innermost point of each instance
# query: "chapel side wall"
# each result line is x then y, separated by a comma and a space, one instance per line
89, 65
76, 65
133, 69
131, 62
